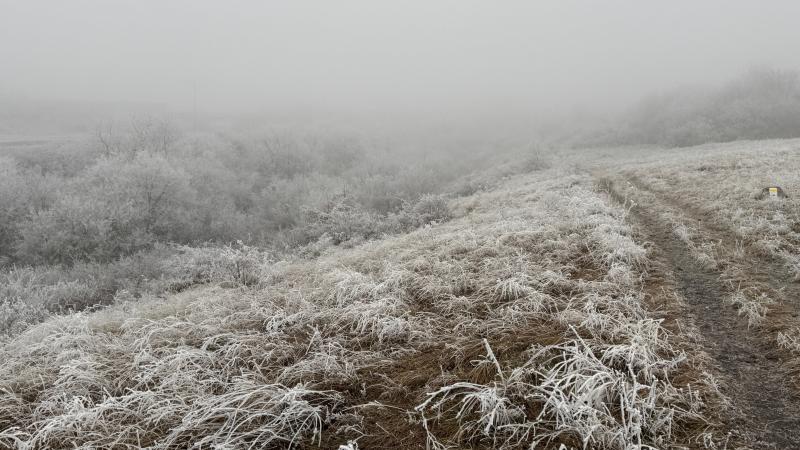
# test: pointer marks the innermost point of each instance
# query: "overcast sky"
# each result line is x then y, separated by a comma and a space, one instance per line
370, 54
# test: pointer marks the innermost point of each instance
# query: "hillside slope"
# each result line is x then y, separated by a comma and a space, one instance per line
525, 320
733, 253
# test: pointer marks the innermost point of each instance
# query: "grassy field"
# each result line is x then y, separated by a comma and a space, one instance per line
619, 299
732, 250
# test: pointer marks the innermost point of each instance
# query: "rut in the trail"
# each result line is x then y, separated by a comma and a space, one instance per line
755, 381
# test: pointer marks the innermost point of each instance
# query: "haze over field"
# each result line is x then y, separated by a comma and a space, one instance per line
366, 57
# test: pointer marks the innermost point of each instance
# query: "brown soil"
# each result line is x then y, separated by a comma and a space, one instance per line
755, 375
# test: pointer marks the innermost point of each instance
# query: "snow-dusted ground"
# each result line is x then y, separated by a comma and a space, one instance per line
525, 319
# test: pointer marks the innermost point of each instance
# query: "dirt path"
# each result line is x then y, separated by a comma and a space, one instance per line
754, 378
759, 267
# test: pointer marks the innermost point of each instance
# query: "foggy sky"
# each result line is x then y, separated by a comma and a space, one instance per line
371, 55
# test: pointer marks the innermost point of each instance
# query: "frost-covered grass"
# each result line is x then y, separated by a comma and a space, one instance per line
751, 306
713, 197
600, 395
522, 321
725, 181
28, 295
790, 340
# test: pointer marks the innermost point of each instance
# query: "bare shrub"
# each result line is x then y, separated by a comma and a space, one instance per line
431, 208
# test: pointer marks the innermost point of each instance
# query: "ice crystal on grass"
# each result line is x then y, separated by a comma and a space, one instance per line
604, 397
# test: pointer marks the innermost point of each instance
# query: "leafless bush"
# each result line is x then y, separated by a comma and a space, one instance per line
431, 208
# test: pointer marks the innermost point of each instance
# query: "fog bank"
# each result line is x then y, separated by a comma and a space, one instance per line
368, 58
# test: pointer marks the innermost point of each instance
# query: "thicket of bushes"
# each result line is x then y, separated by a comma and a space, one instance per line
150, 186
762, 104
147, 210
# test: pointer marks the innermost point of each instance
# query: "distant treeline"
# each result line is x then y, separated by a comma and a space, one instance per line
762, 104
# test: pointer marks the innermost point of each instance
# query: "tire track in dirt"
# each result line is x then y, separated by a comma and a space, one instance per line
756, 269
760, 267
767, 415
